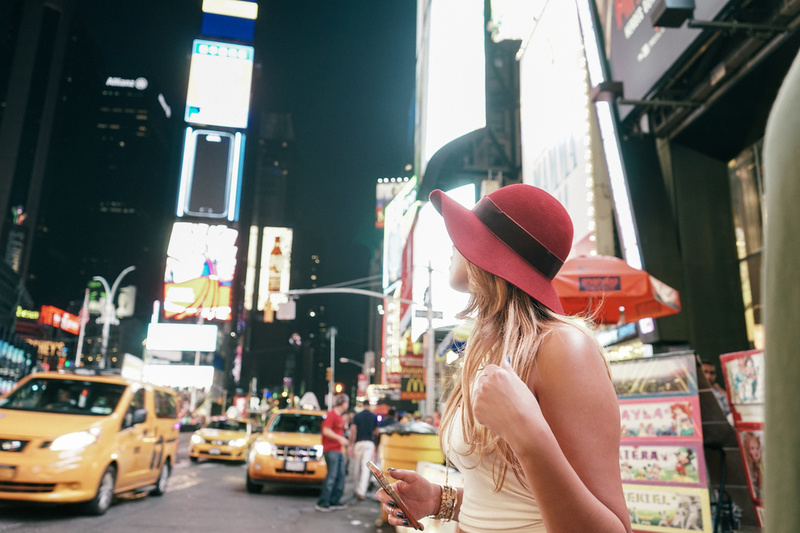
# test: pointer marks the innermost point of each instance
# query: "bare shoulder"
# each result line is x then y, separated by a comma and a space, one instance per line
570, 378
568, 348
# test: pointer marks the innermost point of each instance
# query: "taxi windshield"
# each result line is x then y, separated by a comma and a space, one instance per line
68, 396
227, 425
296, 423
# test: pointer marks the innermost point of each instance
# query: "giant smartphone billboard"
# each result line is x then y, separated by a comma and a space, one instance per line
211, 174
220, 77
201, 261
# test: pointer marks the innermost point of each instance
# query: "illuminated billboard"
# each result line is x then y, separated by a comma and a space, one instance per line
235, 19
58, 318
211, 174
201, 261
452, 61
275, 266
220, 77
182, 337
432, 246
563, 157
385, 190
398, 219
179, 376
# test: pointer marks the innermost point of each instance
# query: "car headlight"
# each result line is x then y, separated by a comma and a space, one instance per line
74, 441
238, 443
266, 448
197, 439
318, 450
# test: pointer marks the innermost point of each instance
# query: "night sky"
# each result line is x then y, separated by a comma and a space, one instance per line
344, 69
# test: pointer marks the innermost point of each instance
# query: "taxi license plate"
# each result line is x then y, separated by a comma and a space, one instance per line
7, 472
213, 451
294, 466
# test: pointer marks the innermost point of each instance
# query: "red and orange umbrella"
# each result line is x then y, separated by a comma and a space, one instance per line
604, 287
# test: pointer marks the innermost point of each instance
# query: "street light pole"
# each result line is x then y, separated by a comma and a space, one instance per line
332, 333
346, 360
364, 369
430, 383
109, 311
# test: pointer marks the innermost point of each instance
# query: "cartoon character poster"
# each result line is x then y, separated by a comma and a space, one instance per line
744, 376
656, 464
668, 509
744, 381
675, 417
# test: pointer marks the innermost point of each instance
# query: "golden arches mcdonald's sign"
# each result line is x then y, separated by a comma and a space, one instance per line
412, 387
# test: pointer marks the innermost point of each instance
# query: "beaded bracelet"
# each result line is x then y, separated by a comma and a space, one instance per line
447, 507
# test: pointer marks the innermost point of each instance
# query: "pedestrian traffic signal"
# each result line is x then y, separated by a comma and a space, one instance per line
338, 388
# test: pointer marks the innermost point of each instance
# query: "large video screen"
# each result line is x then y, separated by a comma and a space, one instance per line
211, 174
220, 77
201, 262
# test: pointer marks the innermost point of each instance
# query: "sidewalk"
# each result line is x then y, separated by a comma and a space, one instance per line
363, 515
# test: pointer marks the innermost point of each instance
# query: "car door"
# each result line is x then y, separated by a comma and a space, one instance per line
135, 447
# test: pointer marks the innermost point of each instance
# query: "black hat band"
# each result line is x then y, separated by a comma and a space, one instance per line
524, 244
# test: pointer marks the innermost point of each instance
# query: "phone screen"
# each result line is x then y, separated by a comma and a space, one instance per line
209, 187
384, 483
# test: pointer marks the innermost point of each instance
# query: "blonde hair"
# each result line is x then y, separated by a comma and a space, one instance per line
507, 321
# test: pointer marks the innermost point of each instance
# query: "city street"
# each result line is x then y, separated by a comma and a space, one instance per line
205, 496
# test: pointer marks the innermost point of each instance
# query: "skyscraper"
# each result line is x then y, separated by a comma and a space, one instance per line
87, 166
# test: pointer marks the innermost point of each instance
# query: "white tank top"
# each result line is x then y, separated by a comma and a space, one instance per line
483, 510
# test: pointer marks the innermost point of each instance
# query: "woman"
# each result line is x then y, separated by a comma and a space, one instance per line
533, 420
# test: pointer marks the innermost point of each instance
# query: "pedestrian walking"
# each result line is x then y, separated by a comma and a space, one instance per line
363, 430
334, 445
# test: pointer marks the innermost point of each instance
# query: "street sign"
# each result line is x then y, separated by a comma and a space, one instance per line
423, 313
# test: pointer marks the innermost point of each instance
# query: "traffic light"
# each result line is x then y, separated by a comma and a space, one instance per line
338, 387
328, 374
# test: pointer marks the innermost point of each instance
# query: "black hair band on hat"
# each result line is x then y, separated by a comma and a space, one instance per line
524, 244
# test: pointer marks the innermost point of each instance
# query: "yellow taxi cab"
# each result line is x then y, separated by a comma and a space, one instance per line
288, 451
84, 437
222, 438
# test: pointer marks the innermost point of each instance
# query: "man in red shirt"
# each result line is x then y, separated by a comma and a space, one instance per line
334, 444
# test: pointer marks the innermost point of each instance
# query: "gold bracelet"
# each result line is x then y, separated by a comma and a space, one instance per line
447, 508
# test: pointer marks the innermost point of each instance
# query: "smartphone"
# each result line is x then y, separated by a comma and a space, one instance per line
376, 472
211, 174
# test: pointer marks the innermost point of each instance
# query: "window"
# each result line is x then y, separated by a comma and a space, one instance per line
137, 402
297, 423
745, 173
65, 396
166, 405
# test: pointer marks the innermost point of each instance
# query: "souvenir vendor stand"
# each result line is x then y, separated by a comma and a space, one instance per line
679, 457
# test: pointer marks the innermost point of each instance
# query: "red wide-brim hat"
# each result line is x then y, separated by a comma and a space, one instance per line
519, 233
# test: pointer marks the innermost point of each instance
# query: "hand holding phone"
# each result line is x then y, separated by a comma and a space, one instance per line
376, 472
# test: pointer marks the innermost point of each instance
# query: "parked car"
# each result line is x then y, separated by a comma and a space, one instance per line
222, 438
84, 437
288, 451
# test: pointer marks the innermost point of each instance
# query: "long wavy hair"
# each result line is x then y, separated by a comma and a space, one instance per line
507, 321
